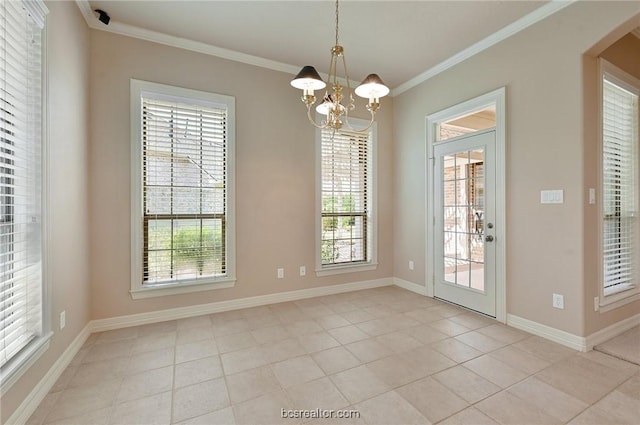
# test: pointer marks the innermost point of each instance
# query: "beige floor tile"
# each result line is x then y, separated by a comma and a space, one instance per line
446, 310
282, 350
335, 360
64, 379
379, 311
425, 334
495, 371
521, 360
357, 316
270, 334
620, 408
423, 315
435, 401
303, 327
457, 351
611, 362
368, 350
95, 417
509, 409
241, 360
504, 333
631, 387
318, 394
117, 335
154, 342
480, 341
598, 372
317, 311
390, 408
469, 416
226, 316
41, 412
187, 335
82, 400
332, 321
90, 373
234, 342
196, 350
157, 328
449, 327
199, 399
193, 322
296, 371
401, 321
545, 349
466, 384
263, 321
348, 334
377, 327
151, 360
146, 384
573, 383
394, 371
195, 371
552, 401
78, 359
107, 351
398, 342
230, 327
154, 410
426, 361
219, 417
317, 341
266, 409
593, 416
341, 306
359, 383
252, 383
472, 321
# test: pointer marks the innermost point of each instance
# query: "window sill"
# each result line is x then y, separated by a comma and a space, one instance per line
617, 300
330, 271
152, 291
16, 367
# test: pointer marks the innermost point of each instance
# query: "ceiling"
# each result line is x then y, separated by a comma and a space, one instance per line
399, 40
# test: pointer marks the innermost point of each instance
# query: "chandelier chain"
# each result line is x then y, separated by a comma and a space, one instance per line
337, 21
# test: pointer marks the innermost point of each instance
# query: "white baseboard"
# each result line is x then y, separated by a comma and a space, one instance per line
410, 286
39, 392
217, 307
556, 335
612, 331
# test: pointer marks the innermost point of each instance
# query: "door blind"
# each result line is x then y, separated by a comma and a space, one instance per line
20, 179
620, 186
345, 197
184, 190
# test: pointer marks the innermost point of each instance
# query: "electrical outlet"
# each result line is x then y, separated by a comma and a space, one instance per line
63, 319
303, 271
411, 265
280, 273
558, 301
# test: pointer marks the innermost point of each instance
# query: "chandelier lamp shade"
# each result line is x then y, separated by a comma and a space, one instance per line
338, 102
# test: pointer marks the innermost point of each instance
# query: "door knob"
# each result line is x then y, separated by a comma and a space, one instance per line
488, 238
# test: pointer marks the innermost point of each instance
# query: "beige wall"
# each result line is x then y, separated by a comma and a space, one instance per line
275, 186
68, 247
542, 69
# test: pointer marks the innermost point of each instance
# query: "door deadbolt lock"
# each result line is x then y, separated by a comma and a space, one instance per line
488, 238
490, 225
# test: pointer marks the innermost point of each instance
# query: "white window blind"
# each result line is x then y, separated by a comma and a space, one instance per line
20, 176
184, 201
345, 197
620, 187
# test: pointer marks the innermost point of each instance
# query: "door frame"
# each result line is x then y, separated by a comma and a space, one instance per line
497, 98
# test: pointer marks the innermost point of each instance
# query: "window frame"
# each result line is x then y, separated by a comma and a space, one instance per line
613, 300
20, 363
189, 96
371, 263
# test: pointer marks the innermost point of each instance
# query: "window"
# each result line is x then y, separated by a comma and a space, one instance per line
619, 182
183, 193
346, 191
22, 330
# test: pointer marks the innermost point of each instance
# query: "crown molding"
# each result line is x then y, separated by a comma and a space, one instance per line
208, 49
498, 36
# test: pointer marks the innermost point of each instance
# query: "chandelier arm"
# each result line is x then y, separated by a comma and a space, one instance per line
361, 130
311, 120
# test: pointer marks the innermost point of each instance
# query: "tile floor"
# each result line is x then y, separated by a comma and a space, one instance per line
393, 356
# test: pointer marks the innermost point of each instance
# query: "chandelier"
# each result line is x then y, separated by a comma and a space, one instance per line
332, 107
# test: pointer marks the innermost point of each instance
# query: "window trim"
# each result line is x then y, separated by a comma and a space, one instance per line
13, 370
372, 262
138, 290
608, 302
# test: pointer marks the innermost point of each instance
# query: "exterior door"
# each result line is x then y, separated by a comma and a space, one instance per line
464, 205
